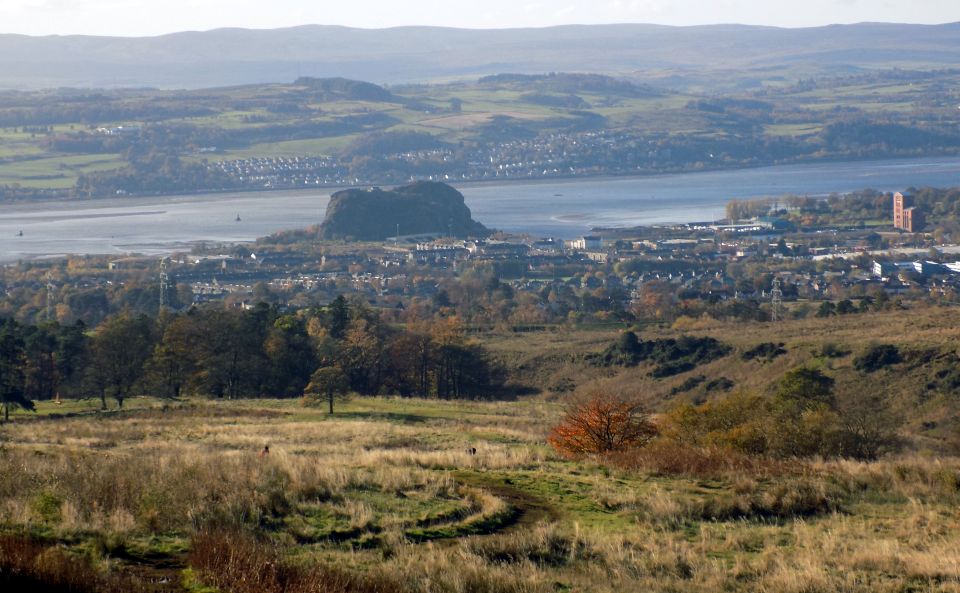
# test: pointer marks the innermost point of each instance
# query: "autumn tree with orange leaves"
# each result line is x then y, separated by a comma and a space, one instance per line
602, 424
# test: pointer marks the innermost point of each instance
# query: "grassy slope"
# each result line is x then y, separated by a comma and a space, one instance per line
932, 413
386, 487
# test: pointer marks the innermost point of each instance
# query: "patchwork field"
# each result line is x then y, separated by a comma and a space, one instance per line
46, 146
385, 495
55, 172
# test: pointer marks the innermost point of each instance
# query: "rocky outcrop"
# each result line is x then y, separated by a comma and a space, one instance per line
419, 208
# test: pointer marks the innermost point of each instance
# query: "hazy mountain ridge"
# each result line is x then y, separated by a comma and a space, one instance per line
415, 54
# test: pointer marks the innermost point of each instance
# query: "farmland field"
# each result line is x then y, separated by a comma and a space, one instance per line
43, 148
55, 172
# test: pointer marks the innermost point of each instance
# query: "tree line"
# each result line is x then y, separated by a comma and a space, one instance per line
237, 353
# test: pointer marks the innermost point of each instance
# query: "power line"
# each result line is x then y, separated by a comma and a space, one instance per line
164, 284
776, 301
50, 304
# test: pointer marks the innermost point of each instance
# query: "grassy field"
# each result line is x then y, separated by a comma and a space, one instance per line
55, 172
291, 148
168, 494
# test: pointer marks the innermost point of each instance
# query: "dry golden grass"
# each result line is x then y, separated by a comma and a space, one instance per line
387, 489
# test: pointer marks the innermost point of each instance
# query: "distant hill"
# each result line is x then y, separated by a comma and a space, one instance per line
564, 82
419, 208
703, 55
344, 88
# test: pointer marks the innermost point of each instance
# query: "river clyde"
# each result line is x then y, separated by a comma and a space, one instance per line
562, 208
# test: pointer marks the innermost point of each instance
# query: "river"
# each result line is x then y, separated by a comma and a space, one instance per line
563, 208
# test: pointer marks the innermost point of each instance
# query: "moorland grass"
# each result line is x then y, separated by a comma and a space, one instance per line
385, 497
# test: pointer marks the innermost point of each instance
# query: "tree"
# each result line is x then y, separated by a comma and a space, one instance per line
742, 209
782, 248
846, 307
600, 425
739, 421
230, 357
626, 351
328, 383
802, 420
120, 349
291, 356
628, 342
71, 357
362, 355
806, 387
449, 335
805, 421
882, 302
12, 363
411, 358
174, 358
826, 309
337, 317
41, 377
868, 427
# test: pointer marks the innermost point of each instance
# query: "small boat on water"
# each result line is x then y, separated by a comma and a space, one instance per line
238, 217
19, 233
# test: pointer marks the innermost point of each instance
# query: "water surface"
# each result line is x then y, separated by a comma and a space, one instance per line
566, 208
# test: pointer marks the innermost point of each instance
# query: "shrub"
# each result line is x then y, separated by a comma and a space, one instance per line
669, 369
805, 387
719, 384
736, 422
625, 352
29, 566
693, 349
803, 419
845, 307
877, 357
47, 507
602, 424
670, 458
766, 352
690, 383
833, 350
868, 427
686, 352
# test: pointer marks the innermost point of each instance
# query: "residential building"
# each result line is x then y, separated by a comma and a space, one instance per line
587, 243
905, 216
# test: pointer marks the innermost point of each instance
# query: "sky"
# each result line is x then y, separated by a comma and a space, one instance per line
132, 18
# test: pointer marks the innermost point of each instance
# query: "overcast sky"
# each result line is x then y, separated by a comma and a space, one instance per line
153, 17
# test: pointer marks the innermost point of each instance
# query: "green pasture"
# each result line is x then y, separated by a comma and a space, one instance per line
55, 172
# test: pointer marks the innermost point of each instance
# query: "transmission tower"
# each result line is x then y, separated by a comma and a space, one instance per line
164, 284
776, 301
50, 304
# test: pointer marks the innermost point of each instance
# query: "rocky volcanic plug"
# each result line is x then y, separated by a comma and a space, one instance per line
419, 208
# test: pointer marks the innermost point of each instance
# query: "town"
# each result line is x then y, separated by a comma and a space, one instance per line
769, 260
553, 155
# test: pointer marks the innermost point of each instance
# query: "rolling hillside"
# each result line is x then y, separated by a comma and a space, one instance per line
921, 388
677, 56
